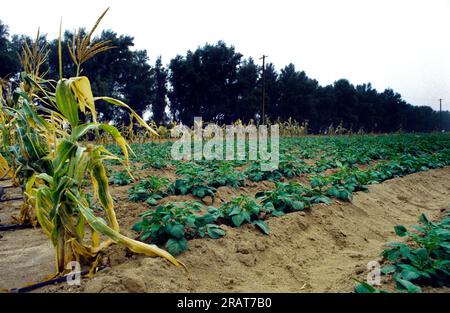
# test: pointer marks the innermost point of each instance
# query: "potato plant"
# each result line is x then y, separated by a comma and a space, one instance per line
422, 259
173, 224
150, 190
290, 197
122, 178
242, 209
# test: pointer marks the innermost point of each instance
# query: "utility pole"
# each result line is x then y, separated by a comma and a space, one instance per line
440, 115
263, 87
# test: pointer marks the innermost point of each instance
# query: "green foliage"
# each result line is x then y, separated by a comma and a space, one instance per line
154, 162
318, 182
324, 164
348, 179
8, 53
224, 174
397, 155
160, 74
208, 73
291, 166
254, 173
194, 185
122, 178
150, 190
173, 224
290, 197
152, 155
340, 192
243, 209
201, 181
363, 287
424, 260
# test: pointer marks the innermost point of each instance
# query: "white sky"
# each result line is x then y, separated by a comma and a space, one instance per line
401, 44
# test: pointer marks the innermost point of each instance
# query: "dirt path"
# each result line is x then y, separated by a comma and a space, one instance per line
317, 251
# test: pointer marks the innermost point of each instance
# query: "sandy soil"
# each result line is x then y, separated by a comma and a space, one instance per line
316, 251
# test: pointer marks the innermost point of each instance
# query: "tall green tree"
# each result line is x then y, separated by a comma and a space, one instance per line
9, 64
159, 92
297, 94
204, 84
272, 90
248, 103
368, 101
346, 103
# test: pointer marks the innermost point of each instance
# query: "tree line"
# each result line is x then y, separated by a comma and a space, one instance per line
220, 85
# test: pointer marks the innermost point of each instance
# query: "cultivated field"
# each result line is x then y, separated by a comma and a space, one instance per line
96, 198
311, 225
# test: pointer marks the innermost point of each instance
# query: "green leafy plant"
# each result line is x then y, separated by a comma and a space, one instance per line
291, 166
243, 209
424, 260
194, 180
318, 182
254, 173
324, 164
363, 287
290, 197
150, 190
194, 185
157, 162
340, 192
224, 174
122, 178
347, 181
173, 224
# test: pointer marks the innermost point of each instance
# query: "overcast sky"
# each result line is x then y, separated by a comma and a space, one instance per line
401, 44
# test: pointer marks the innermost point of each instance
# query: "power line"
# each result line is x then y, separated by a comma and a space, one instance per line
263, 87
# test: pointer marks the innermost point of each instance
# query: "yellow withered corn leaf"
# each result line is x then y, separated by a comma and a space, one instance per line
4, 167
81, 87
133, 113
81, 130
43, 206
117, 137
101, 189
133, 245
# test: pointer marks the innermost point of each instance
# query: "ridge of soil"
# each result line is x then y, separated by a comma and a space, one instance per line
316, 251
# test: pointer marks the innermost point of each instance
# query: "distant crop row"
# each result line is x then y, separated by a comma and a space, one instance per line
397, 155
